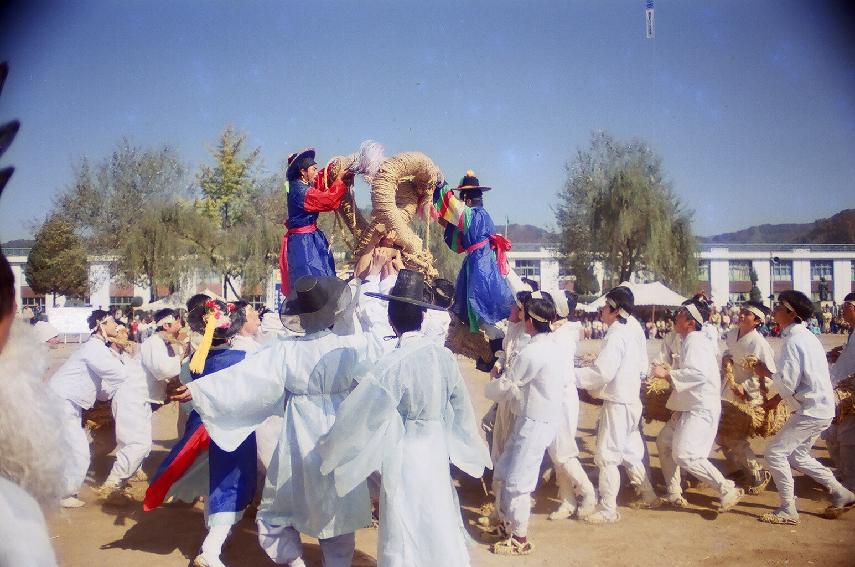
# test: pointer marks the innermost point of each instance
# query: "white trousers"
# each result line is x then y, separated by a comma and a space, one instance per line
564, 452
132, 414
282, 544
740, 456
685, 442
518, 469
77, 457
791, 447
840, 438
619, 442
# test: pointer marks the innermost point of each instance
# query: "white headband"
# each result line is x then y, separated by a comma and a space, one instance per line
693, 311
613, 304
757, 313
165, 321
788, 306
536, 295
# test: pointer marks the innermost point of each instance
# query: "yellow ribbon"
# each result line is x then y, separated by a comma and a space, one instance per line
197, 363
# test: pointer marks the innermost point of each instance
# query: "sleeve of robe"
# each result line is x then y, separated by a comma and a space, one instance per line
108, 367
507, 386
236, 400
321, 201
366, 424
689, 375
787, 378
155, 358
605, 366
467, 450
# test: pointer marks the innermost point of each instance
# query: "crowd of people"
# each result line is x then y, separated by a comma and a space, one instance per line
347, 407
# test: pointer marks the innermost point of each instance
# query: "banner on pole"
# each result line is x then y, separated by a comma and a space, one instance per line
650, 23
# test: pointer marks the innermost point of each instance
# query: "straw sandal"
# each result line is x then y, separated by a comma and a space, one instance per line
761, 485
834, 512
780, 518
511, 546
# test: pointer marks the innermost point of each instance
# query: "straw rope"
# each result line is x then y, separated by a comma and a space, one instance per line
844, 397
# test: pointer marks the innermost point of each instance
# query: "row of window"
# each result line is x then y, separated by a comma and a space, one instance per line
782, 271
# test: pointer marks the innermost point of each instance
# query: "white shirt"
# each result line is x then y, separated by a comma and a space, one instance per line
159, 367
435, 326
672, 345
245, 343
802, 379
535, 381
515, 340
638, 331
751, 343
25, 540
697, 383
616, 373
845, 364
91, 370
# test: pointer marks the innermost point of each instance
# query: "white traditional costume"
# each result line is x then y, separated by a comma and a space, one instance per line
615, 377
686, 440
672, 344
738, 452
131, 409
160, 366
409, 417
841, 436
564, 451
535, 386
803, 382
92, 371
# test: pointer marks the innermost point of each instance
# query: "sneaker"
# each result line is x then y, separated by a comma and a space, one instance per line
564, 511
731, 499
72, 502
602, 517
783, 516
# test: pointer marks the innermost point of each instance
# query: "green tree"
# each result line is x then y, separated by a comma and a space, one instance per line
57, 262
228, 186
616, 207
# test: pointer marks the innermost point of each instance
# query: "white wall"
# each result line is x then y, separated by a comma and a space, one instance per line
764, 283
719, 281
801, 276
842, 279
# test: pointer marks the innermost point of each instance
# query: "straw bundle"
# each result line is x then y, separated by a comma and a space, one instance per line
654, 396
98, 416
461, 340
740, 420
844, 395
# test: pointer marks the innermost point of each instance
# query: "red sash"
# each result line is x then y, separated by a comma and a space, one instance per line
283, 253
501, 245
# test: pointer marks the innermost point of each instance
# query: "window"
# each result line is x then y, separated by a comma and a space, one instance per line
782, 271
704, 271
33, 302
821, 269
740, 270
527, 268
119, 300
256, 301
738, 297
852, 271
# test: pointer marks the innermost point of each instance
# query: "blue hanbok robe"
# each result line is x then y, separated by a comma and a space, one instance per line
232, 473
482, 293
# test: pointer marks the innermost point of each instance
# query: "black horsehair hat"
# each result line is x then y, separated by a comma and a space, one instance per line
408, 288
312, 304
300, 160
470, 183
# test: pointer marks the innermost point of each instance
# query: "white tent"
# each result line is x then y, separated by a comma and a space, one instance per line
174, 301
653, 294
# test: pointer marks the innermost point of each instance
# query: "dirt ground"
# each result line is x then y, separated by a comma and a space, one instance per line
98, 535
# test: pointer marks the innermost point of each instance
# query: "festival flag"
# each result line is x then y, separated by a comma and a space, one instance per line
649, 20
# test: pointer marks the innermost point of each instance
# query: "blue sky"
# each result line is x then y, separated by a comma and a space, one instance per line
750, 104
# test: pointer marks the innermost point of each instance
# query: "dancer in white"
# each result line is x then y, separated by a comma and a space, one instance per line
535, 386
840, 436
564, 451
94, 370
409, 417
803, 383
745, 344
686, 440
615, 378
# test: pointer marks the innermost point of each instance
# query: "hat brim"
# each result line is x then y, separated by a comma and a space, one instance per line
416, 302
472, 188
308, 152
295, 319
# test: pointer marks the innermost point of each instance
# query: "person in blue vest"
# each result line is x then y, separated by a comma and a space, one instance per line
305, 250
482, 295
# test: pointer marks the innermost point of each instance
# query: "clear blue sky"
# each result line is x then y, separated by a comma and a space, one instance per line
750, 104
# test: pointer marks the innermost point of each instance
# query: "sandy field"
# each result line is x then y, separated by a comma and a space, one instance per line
98, 535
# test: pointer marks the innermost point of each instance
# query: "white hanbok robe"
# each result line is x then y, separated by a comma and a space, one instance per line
26, 541
754, 344
132, 414
566, 338
409, 417
304, 380
503, 423
159, 366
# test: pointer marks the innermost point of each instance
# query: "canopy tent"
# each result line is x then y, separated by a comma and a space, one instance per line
653, 294
173, 301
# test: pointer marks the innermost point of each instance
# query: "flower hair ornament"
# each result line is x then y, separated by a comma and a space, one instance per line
214, 319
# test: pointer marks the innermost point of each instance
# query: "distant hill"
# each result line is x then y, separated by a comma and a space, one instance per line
20, 243
838, 229
527, 234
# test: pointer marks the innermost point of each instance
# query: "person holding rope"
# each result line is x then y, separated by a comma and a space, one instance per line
803, 381
745, 344
305, 250
482, 295
695, 399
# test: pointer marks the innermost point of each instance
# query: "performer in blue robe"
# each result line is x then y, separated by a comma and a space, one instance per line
305, 250
482, 295
232, 474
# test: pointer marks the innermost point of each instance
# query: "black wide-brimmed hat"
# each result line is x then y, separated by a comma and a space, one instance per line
298, 161
471, 183
408, 288
313, 304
